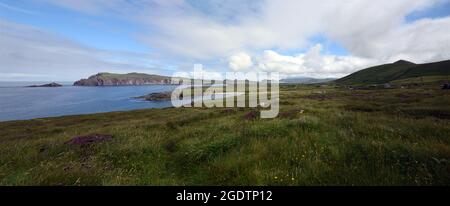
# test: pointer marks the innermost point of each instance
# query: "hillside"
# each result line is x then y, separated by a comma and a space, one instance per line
395, 72
110, 79
305, 80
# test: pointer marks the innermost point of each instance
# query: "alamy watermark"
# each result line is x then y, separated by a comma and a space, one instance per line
210, 89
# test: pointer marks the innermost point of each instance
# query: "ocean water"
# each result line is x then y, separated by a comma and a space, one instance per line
18, 102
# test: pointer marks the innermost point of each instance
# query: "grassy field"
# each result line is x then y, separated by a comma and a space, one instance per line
323, 136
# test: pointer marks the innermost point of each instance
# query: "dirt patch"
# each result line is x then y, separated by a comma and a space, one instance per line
89, 139
251, 115
228, 111
361, 108
286, 102
291, 113
421, 113
403, 96
320, 97
171, 145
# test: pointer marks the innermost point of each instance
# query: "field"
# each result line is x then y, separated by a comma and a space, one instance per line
323, 136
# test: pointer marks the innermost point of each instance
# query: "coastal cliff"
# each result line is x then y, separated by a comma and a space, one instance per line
110, 79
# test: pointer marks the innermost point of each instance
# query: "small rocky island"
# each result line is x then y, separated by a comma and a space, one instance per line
160, 96
131, 79
53, 84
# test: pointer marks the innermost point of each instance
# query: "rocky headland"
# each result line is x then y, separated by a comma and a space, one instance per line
131, 79
53, 84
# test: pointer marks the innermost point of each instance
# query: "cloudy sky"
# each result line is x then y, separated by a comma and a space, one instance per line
65, 40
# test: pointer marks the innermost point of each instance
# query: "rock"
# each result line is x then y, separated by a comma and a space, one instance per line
53, 84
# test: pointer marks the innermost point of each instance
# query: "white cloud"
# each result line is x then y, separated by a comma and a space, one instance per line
240, 61
28, 52
312, 63
371, 31
359, 25
380, 31
421, 41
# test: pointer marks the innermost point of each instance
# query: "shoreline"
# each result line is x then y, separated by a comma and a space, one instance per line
25, 103
118, 111
83, 115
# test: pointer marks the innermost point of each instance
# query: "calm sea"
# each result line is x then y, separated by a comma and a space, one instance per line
18, 102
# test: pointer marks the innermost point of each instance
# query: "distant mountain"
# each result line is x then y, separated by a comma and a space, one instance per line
396, 71
110, 79
305, 80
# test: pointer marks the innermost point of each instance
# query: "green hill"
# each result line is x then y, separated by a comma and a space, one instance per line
110, 79
395, 72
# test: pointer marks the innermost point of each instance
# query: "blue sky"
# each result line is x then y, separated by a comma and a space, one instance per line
439, 10
107, 33
70, 39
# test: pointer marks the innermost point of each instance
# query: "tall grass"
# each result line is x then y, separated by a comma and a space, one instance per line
377, 137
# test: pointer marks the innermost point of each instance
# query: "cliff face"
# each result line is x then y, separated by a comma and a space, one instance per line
108, 79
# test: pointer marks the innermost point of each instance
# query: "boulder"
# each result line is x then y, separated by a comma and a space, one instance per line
445, 86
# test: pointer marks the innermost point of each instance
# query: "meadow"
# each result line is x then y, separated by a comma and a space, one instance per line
323, 136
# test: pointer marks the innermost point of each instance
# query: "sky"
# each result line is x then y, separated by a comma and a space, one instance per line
66, 40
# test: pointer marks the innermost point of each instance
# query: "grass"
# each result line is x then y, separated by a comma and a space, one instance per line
424, 79
323, 136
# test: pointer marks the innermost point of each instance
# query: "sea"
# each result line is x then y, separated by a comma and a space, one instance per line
18, 102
